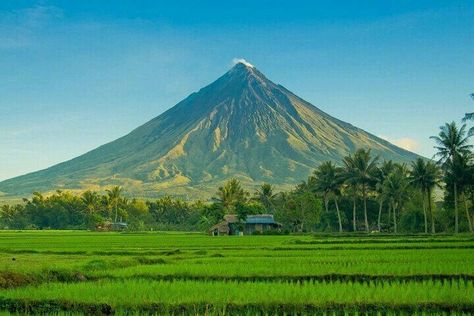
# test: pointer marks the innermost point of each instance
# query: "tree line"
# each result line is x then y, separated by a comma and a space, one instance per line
362, 193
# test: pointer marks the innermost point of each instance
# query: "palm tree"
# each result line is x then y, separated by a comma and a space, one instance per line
425, 175
418, 180
432, 178
114, 196
304, 202
460, 171
452, 142
352, 189
91, 200
361, 169
327, 181
396, 191
320, 182
469, 117
469, 192
230, 194
385, 169
265, 195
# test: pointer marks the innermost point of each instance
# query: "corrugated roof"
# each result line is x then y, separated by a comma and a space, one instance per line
251, 219
260, 219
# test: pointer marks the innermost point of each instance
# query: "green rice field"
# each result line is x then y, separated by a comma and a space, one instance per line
71, 272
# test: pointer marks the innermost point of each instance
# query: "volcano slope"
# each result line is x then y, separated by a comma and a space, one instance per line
242, 125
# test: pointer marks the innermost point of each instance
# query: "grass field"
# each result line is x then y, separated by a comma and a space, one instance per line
170, 273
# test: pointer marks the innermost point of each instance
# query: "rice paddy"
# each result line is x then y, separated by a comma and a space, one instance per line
52, 272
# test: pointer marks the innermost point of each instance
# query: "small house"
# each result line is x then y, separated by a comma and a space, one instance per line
111, 226
119, 226
231, 225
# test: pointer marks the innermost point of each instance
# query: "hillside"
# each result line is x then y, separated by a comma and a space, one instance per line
242, 125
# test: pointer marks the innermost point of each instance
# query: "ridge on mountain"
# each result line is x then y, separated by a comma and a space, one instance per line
242, 125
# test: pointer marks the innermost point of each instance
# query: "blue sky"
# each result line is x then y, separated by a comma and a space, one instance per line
77, 74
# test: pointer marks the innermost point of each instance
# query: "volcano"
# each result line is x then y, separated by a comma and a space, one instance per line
242, 125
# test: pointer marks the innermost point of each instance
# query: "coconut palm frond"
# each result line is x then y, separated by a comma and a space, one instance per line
468, 117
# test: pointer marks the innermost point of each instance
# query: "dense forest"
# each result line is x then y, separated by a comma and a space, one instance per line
361, 194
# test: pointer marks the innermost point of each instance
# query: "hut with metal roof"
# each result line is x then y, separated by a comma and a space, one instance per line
253, 224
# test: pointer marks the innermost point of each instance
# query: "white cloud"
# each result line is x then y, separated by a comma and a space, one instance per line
407, 143
242, 61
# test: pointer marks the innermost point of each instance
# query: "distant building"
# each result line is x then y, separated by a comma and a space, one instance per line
110, 226
253, 224
119, 226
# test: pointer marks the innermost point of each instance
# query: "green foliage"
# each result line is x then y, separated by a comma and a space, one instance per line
327, 181
299, 210
360, 170
451, 142
266, 196
392, 196
249, 208
454, 152
230, 195
141, 273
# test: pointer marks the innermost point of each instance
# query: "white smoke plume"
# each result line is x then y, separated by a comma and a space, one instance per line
236, 61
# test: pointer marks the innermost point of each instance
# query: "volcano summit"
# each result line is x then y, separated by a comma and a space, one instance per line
242, 125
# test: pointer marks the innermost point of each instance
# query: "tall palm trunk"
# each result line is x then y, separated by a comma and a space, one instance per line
302, 217
326, 202
389, 213
456, 215
354, 225
116, 213
430, 208
424, 210
338, 215
380, 215
326, 205
467, 214
394, 218
364, 194
471, 199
